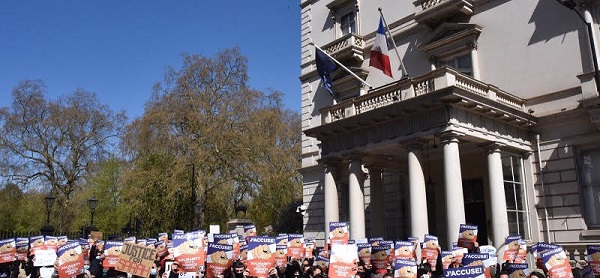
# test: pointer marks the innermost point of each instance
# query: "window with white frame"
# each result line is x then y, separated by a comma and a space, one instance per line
348, 23
515, 195
589, 172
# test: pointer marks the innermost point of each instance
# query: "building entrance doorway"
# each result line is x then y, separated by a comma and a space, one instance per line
475, 213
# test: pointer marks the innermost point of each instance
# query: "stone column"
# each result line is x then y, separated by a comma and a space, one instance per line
417, 192
332, 213
356, 199
475, 62
455, 203
377, 202
497, 199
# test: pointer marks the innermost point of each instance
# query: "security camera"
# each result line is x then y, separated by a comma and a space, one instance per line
301, 209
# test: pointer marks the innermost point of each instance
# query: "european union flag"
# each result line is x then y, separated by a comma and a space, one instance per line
325, 66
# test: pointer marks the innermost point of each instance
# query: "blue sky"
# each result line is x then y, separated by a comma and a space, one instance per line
120, 48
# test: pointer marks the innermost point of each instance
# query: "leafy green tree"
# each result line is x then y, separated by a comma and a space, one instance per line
20, 211
106, 183
49, 145
245, 147
10, 199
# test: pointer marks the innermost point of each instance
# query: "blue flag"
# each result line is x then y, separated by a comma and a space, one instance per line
325, 66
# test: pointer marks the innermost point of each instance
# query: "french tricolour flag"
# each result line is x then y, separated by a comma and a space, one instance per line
379, 56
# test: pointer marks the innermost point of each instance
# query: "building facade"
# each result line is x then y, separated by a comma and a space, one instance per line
497, 123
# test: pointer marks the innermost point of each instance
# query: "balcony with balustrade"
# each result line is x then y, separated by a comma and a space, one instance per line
347, 47
461, 90
433, 12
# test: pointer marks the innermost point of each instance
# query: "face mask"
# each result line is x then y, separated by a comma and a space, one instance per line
86, 267
239, 275
153, 271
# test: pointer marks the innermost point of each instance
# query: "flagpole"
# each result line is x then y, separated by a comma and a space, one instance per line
404, 73
340, 64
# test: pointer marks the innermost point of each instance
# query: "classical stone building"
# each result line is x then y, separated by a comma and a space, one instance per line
493, 88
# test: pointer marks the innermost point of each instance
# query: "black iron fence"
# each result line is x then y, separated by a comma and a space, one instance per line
77, 235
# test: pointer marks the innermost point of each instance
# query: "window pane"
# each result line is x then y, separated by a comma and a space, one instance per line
523, 225
517, 169
590, 187
464, 62
519, 195
509, 194
348, 23
591, 167
507, 168
591, 201
513, 226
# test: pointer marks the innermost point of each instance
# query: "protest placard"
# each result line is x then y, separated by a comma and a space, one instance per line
374, 241
512, 248
593, 258
45, 257
405, 268
557, 263
295, 249
517, 270
136, 259
8, 250
343, 259
474, 259
51, 242
338, 232
309, 248
380, 256
465, 272
249, 230
538, 250
243, 251
477, 259
188, 250
430, 250
96, 235
112, 252
391, 245
62, 240
261, 257
163, 237
22, 245
70, 259
404, 250
322, 261
281, 255
447, 257
364, 252
214, 229
218, 259
467, 235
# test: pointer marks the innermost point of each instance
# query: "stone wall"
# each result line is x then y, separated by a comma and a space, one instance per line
559, 193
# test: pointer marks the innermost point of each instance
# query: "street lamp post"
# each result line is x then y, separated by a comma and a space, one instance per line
48, 229
193, 202
571, 4
198, 208
92, 204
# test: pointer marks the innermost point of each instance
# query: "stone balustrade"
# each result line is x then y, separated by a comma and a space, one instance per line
408, 88
427, 4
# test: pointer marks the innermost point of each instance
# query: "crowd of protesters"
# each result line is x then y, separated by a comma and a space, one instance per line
310, 264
